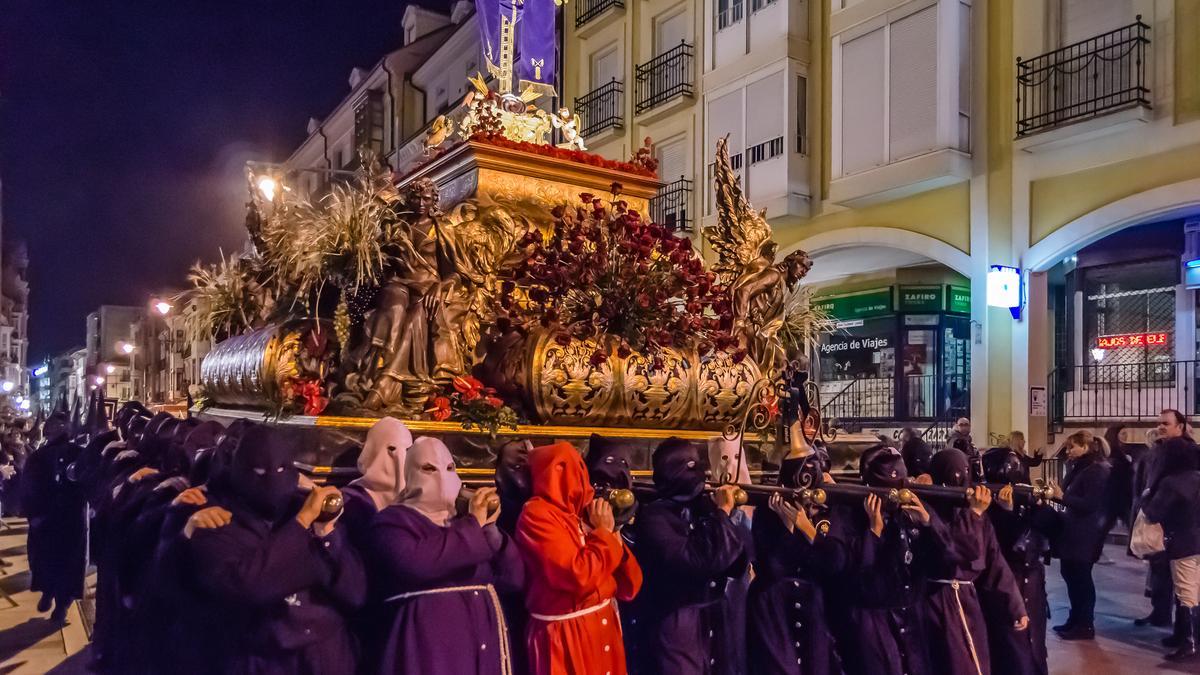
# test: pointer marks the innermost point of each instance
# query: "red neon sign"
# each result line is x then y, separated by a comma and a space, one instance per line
1132, 340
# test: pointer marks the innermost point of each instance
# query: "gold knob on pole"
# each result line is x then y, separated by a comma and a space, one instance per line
621, 498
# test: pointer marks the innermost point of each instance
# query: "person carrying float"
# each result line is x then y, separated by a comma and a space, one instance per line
578, 568
440, 572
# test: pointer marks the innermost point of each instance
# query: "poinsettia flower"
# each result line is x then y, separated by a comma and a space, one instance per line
493, 401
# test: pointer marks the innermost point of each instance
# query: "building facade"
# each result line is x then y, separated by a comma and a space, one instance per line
910, 146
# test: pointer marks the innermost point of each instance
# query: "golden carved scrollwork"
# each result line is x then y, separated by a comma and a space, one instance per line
563, 384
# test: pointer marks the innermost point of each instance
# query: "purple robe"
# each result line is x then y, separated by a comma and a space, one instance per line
971, 565
285, 592
448, 621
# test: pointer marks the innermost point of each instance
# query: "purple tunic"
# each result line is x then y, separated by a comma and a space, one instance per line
446, 621
971, 565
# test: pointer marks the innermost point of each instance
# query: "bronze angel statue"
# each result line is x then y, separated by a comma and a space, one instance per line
758, 285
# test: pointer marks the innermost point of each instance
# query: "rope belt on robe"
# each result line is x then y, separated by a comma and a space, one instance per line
578, 613
501, 624
962, 614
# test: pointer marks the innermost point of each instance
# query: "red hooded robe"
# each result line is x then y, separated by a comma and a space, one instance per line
572, 570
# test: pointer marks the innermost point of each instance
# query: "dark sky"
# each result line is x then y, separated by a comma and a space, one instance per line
126, 125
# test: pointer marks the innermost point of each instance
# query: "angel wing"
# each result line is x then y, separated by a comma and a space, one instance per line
741, 232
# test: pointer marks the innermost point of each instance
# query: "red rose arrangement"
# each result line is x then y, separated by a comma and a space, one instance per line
469, 402
608, 272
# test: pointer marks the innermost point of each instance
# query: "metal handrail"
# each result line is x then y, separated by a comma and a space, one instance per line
602, 108
664, 77
1084, 79
586, 10
670, 206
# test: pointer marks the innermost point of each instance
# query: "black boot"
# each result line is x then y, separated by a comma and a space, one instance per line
59, 616
1155, 618
1064, 626
1187, 647
1080, 631
1182, 617
45, 603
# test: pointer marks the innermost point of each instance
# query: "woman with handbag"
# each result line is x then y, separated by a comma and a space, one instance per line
1084, 526
1171, 502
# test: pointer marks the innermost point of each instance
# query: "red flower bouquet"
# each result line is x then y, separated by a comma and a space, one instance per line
608, 272
469, 402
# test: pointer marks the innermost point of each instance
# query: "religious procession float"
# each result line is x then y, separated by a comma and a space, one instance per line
506, 287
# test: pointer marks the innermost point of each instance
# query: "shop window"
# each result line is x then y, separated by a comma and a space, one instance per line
858, 369
1129, 322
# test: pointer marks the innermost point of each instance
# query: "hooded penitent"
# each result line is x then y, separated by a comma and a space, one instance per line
261, 475
56, 428
560, 477
950, 468
382, 460
882, 466
727, 461
431, 482
608, 463
678, 470
1002, 465
512, 471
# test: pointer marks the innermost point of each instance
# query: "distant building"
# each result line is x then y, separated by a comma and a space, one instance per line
14, 315
116, 336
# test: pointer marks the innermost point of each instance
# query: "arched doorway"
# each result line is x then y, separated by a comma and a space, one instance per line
900, 354
1121, 322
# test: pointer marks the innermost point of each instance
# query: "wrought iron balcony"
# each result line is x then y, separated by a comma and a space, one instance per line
1083, 80
665, 77
602, 108
586, 10
670, 207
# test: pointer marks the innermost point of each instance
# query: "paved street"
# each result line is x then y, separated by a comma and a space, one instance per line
30, 645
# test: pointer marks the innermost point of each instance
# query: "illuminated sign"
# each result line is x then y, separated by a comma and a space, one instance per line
1004, 287
41, 370
1132, 340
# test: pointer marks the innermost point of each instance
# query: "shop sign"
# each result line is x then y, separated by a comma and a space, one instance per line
920, 299
960, 300
843, 344
1132, 340
875, 302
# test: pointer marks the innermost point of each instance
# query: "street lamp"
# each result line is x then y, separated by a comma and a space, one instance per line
267, 186
7, 386
126, 348
163, 307
110, 369
99, 380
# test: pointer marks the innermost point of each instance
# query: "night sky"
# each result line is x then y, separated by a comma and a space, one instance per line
126, 126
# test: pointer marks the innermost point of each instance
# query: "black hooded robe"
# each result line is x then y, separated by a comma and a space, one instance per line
689, 550
55, 507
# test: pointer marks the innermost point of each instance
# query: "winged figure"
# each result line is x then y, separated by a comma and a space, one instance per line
746, 265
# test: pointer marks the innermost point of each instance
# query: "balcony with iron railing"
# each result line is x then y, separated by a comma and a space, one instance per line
671, 206
1088, 79
664, 78
586, 10
602, 108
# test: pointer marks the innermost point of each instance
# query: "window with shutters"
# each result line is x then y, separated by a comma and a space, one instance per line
671, 206
912, 94
894, 90
369, 124
1083, 19
606, 66
863, 75
802, 115
670, 31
